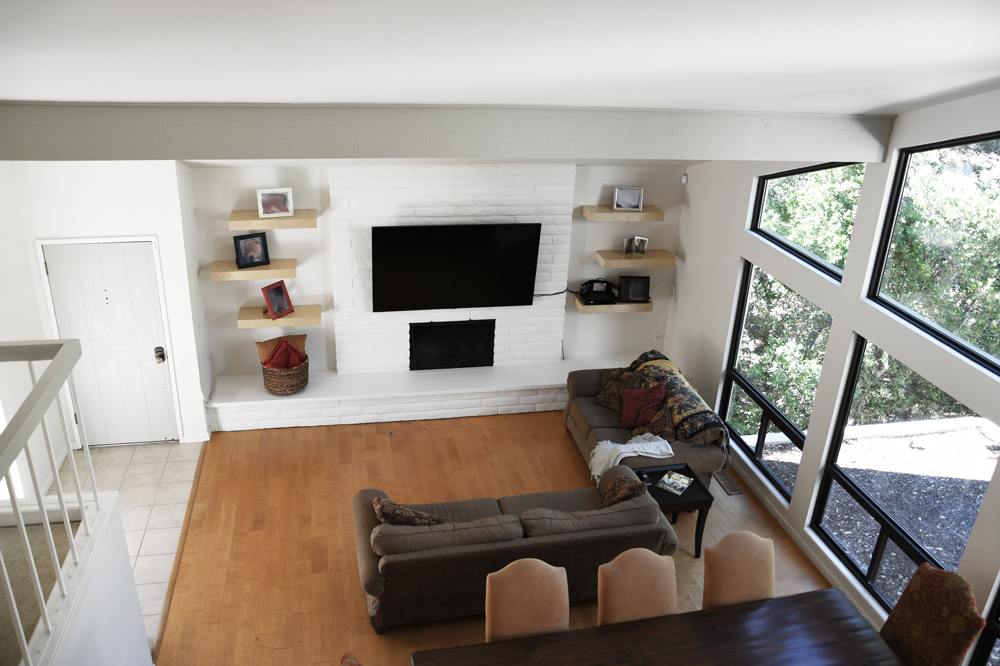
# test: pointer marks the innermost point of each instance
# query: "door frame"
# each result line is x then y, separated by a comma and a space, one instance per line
66, 404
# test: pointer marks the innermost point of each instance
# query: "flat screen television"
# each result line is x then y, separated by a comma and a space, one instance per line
453, 266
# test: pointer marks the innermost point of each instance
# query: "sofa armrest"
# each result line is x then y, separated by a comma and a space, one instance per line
614, 473
365, 520
583, 384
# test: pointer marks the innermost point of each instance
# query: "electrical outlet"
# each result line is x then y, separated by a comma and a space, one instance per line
657, 336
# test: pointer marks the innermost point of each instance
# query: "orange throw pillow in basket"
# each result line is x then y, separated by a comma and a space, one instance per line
284, 357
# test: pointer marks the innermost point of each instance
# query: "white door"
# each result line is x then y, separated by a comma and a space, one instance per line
106, 294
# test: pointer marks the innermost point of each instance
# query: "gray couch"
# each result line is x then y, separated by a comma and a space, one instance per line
589, 424
433, 583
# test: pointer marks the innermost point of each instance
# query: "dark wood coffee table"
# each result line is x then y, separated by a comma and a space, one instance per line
695, 498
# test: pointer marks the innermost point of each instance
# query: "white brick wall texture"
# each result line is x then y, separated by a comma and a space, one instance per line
383, 195
291, 413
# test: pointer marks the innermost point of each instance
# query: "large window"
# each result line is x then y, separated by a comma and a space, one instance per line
988, 649
906, 476
810, 212
773, 372
939, 260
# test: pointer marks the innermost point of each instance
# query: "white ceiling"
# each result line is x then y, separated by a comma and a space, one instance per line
802, 56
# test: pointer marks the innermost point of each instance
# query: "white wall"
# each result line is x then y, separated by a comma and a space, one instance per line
608, 334
713, 238
107, 199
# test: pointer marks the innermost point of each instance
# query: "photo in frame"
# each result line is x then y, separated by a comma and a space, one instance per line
628, 198
251, 250
633, 289
278, 302
629, 246
275, 202
641, 245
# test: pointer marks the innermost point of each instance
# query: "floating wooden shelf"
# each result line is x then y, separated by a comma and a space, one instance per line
278, 269
257, 317
247, 220
652, 259
607, 214
615, 308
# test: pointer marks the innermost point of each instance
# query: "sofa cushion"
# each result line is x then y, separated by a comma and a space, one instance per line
701, 459
620, 490
641, 510
396, 539
583, 410
579, 499
462, 511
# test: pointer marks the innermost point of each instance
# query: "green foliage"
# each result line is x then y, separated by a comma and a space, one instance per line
815, 210
944, 259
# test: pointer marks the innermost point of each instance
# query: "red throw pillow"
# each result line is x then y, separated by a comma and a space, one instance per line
639, 406
283, 356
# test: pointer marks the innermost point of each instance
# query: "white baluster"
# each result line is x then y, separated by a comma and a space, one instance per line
86, 449
36, 584
76, 476
15, 619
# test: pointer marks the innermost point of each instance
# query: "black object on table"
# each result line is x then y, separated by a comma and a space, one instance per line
695, 497
820, 627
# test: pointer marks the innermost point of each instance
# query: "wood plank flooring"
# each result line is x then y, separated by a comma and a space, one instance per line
269, 572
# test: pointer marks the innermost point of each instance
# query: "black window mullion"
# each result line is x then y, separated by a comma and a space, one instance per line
761, 434
774, 414
734, 347
876, 560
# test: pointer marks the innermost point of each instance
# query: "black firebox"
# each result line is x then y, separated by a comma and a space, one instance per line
452, 344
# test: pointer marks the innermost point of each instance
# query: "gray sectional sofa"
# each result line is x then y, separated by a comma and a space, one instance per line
589, 424
445, 575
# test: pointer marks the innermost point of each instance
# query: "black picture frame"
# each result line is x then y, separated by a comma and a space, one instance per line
633, 289
251, 250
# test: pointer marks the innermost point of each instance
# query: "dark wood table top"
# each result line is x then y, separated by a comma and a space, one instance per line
815, 628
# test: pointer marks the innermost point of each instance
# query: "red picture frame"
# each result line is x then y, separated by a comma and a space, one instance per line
278, 302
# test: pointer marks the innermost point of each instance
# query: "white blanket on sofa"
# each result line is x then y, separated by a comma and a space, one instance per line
607, 454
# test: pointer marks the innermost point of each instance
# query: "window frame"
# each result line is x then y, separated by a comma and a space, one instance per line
814, 261
770, 414
937, 332
889, 527
988, 638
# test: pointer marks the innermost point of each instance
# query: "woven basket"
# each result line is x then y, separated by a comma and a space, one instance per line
286, 381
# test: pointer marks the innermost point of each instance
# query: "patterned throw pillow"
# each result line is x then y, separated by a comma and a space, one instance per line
390, 513
621, 489
935, 620
662, 425
613, 385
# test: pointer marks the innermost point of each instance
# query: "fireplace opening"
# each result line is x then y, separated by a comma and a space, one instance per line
452, 344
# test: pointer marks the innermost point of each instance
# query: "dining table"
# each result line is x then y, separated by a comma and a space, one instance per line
819, 628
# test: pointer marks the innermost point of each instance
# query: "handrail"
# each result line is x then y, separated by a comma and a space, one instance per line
62, 356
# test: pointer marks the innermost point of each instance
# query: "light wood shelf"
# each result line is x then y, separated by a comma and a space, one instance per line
652, 259
278, 269
613, 308
257, 317
607, 214
247, 220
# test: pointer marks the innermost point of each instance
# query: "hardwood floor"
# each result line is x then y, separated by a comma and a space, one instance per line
269, 572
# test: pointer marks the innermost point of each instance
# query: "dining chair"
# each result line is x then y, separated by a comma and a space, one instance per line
526, 598
935, 620
739, 568
635, 585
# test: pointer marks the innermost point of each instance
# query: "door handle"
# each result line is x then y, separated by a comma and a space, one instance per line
161, 356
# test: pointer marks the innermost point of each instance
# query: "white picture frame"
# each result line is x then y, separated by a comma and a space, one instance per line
275, 202
628, 198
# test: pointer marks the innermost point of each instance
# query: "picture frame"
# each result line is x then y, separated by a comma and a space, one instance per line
279, 304
641, 245
251, 250
275, 202
633, 289
629, 246
628, 198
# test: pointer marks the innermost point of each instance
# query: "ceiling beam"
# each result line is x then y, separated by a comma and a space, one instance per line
47, 131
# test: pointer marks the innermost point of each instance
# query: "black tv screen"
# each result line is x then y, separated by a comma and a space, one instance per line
453, 266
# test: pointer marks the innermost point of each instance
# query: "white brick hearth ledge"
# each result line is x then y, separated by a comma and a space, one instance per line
239, 402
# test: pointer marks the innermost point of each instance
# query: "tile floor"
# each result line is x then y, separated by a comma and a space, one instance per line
154, 484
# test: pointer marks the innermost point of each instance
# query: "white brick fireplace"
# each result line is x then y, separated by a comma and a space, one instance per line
385, 195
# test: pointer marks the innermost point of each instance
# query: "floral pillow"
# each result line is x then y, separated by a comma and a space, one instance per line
621, 489
390, 513
613, 385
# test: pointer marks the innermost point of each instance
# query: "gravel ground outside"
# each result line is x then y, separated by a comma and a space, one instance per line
932, 483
